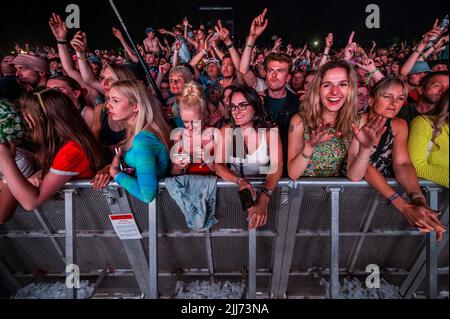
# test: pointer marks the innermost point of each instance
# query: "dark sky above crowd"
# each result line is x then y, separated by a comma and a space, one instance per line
298, 22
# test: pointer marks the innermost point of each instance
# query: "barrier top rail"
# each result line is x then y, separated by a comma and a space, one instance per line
284, 182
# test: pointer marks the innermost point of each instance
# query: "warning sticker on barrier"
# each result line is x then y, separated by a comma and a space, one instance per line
125, 226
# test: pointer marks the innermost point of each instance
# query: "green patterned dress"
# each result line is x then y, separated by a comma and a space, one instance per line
328, 157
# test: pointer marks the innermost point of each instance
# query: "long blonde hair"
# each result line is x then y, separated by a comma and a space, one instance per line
311, 109
149, 116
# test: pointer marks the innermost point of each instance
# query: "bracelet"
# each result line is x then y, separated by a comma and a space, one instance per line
326, 54
421, 55
62, 42
229, 46
370, 76
392, 198
304, 156
250, 45
81, 57
267, 191
415, 195
417, 51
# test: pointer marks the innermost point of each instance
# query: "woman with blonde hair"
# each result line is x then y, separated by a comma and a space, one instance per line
146, 146
320, 135
390, 158
190, 158
428, 143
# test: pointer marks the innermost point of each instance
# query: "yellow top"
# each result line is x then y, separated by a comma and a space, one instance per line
434, 167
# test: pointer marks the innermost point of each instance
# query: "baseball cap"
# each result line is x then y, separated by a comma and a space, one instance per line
420, 67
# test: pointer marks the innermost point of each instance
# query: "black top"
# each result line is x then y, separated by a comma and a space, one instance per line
290, 108
107, 135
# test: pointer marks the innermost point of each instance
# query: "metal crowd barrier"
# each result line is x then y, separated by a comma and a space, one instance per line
325, 226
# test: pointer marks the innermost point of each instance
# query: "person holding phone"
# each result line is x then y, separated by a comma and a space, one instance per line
190, 158
260, 154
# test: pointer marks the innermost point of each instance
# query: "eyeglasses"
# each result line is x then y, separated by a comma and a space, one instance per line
241, 107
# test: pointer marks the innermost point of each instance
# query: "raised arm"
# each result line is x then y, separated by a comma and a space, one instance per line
214, 44
326, 51
350, 49
259, 24
368, 65
408, 65
79, 43
59, 30
164, 32
128, 50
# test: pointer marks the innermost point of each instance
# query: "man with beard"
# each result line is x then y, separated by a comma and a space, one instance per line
31, 71
430, 90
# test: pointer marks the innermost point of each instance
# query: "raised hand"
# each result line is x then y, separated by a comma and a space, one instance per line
79, 42
366, 65
177, 45
163, 69
435, 32
350, 49
58, 27
224, 34
442, 42
278, 43
259, 24
371, 132
322, 134
116, 32
329, 40
213, 42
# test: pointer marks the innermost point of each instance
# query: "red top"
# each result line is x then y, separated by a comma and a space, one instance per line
198, 169
71, 160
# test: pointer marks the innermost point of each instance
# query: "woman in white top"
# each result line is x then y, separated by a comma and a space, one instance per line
252, 147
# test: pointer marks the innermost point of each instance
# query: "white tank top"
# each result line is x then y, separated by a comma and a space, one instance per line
253, 162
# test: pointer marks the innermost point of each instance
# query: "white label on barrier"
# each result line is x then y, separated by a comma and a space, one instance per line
125, 226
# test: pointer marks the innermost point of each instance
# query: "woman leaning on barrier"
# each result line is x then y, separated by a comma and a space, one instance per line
260, 154
65, 148
189, 157
428, 143
390, 157
320, 135
146, 146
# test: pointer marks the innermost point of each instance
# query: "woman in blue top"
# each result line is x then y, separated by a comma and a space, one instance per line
146, 146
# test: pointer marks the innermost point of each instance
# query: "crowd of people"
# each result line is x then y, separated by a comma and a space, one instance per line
234, 112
